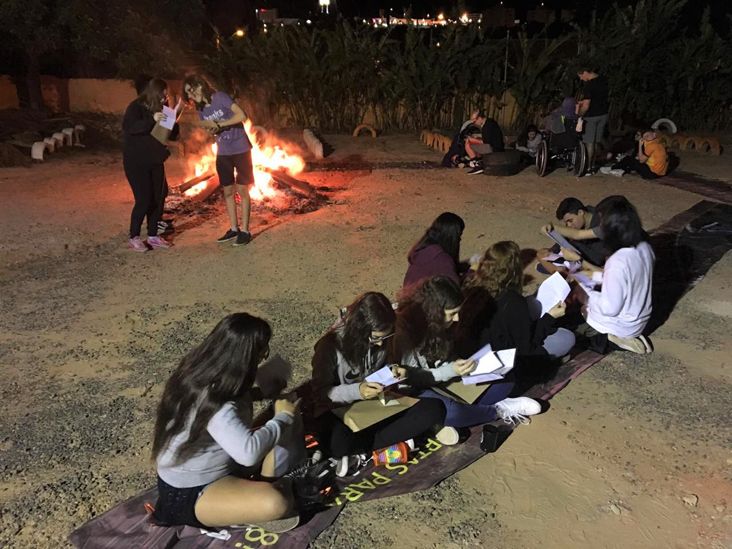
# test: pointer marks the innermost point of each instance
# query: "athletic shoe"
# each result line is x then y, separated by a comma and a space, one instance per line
279, 526
646, 343
475, 171
243, 238
517, 410
448, 436
633, 344
617, 172
349, 466
228, 235
606, 170
312, 484
136, 244
158, 242
474, 163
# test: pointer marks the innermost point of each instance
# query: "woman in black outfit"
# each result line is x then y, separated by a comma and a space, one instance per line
143, 159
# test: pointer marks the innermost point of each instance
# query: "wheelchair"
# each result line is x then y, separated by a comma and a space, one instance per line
564, 149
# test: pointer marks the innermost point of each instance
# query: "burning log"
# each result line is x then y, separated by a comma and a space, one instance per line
183, 187
297, 185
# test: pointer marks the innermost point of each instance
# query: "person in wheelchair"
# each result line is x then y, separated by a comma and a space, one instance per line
562, 143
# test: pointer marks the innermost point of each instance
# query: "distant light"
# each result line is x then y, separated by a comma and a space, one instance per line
464, 18
239, 33
440, 16
438, 44
308, 22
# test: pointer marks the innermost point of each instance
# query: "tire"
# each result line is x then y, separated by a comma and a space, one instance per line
666, 123
580, 159
542, 158
501, 164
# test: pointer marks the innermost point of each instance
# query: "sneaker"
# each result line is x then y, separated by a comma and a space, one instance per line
158, 242
243, 238
448, 436
633, 344
349, 466
646, 343
517, 410
474, 163
312, 484
617, 172
228, 235
278, 526
136, 244
475, 171
606, 170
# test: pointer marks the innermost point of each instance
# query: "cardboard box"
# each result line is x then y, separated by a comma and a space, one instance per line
365, 413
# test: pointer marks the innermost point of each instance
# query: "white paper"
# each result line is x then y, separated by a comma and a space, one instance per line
584, 281
383, 376
169, 121
563, 242
552, 257
553, 290
491, 366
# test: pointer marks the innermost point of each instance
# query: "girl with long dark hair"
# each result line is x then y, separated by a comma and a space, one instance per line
143, 159
220, 115
622, 308
204, 427
437, 253
424, 344
343, 358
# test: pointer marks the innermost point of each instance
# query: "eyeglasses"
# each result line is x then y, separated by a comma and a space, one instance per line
380, 339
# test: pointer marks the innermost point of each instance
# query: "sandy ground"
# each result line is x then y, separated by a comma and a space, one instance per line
636, 453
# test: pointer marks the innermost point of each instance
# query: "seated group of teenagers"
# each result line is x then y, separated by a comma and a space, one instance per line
216, 468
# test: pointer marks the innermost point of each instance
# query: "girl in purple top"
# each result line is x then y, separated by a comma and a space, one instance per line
220, 115
438, 251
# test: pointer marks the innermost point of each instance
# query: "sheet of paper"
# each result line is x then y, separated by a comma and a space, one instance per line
169, 121
383, 376
552, 257
563, 242
585, 281
553, 290
496, 364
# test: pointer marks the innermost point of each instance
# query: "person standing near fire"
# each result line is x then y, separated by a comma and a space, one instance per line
220, 115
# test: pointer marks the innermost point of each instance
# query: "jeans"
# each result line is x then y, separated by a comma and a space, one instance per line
482, 411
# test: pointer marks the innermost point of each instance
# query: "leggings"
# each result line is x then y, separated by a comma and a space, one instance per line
149, 188
341, 441
631, 164
480, 412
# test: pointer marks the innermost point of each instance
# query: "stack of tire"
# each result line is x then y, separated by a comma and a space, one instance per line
502, 164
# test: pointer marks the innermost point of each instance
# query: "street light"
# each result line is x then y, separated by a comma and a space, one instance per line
239, 33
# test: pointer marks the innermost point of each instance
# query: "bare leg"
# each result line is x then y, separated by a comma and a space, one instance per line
245, 206
232, 500
230, 205
591, 155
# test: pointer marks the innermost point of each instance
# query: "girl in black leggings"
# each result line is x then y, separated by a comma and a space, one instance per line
143, 159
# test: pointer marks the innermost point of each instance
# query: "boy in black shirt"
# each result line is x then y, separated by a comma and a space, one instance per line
593, 107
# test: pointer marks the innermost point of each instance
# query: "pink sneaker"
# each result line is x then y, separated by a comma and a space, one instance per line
158, 242
137, 245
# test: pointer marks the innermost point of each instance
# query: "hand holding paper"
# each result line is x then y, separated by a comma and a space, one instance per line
384, 377
552, 291
169, 118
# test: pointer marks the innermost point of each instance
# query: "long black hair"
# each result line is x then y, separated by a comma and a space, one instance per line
421, 326
370, 312
445, 231
153, 94
221, 369
620, 224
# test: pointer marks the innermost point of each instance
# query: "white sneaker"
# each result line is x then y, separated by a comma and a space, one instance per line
633, 344
349, 466
448, 436
517, 410
605, 170
617, 172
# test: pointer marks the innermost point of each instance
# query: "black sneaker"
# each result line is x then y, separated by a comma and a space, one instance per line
313, 485
243, 238
229, 235
475, 171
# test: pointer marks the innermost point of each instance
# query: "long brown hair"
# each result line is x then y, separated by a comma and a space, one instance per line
499, 269
221, 369
193, 81
153, 94
370, 312
421, 326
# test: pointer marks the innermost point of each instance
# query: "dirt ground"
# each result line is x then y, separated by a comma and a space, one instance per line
634, 454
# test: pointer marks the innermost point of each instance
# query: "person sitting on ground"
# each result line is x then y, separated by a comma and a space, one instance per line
456, 157
517, 322
529, 141
490, 141
580, 226
620, 311
204, 427
343, 358
651, 162
438, 251
424, 346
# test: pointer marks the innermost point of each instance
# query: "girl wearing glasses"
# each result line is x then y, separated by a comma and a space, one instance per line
343, 358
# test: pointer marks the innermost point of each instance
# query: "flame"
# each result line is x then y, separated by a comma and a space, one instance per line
266, 157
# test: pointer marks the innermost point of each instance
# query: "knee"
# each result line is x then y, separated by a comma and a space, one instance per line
276, 504
432, 410
229, 191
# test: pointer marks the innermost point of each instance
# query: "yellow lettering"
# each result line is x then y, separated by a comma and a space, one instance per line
351, 494
432, 445
365, 484
400, 468
380, 479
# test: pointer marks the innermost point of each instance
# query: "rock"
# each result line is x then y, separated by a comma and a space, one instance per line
692, 500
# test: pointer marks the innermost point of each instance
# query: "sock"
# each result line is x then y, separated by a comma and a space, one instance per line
235, 229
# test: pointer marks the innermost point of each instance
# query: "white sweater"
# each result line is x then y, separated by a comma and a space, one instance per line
623, 306
233, 441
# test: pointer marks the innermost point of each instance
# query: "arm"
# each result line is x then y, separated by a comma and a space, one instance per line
326, 385
583, 106
137, 120
641, 156
527, 341
245, 446
575, 234
609, 301
238, 117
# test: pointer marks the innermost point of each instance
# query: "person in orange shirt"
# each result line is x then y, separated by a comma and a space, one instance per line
651, 162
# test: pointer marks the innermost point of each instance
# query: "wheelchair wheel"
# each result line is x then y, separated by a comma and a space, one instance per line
579, 157
542, 158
